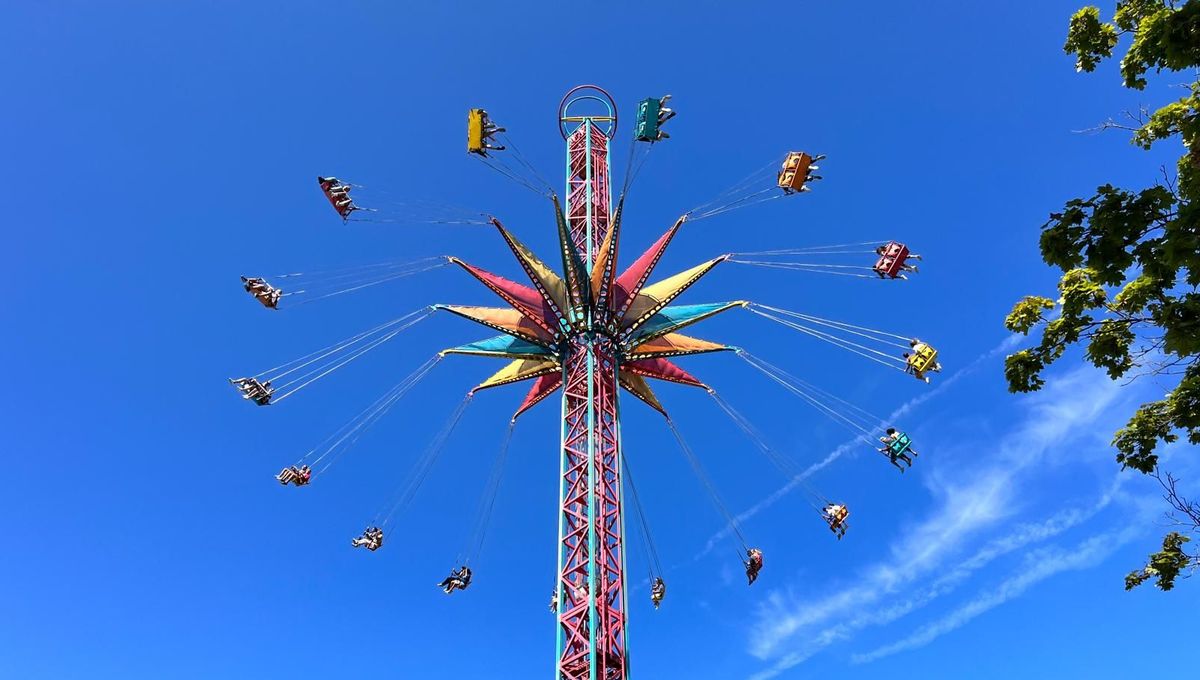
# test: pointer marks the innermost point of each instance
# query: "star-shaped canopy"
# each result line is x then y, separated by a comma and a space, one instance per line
541, 318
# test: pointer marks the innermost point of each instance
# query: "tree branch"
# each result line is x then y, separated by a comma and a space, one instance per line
1190, 510
1139, 119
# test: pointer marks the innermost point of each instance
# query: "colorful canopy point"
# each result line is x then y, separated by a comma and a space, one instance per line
586, 302
674, 318
543, 386
638, 387
505, 320
662, 369
674, 345
653, 298
521, 369
501, 346
536, 307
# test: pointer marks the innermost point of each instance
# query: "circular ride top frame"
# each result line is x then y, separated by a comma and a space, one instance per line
591, 641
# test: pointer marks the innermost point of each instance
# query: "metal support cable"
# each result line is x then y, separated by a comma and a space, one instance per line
319, 354
356, 270
812, 270
356, 427
786, 465
708, 485
860, 431
355, 278
424, 464
525, 162
375, 282
487, 501
647, 537
339, 364
834, 340
739, 203
818, 250
859, 412
831, 322
743, 185
789, 265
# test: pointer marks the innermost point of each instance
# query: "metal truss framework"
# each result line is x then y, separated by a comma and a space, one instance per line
591, 573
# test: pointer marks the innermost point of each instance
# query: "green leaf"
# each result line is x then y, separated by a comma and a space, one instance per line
1180, 318
1089, 39
1080, 292
1164, 565
1137, 441
1165, 38
1022, 370
1137, 294
1027, 313
1131, 12
1109, 346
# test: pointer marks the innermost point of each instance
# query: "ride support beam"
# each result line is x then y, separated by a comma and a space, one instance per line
591, 643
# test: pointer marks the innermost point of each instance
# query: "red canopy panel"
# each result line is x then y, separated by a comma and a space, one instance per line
662, 369
523, 298
631, 280
543, 387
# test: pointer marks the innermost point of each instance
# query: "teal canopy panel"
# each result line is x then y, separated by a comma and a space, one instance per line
671, 319
501, 346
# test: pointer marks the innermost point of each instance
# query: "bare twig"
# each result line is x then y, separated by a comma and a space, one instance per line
1136, 122
1190, 510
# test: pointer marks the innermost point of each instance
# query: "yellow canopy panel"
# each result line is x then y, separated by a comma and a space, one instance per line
636, 385
602, 262
673, 345
658, 295
504, 319
521, 369
542, 275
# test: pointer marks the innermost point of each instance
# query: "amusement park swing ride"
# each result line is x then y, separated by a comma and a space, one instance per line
591, 329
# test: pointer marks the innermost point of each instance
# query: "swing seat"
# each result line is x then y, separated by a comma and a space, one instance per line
924, 358
901, 444
794, 172
252, 388
475, 121
893, 258
286, 476
335, 193
646, 129
270, 297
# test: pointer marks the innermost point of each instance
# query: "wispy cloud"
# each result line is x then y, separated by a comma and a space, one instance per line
1037, 567
972, 500
1019, 538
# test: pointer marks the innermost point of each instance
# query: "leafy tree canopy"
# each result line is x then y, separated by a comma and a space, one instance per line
1130, 258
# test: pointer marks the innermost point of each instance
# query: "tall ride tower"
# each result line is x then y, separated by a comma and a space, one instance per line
591, 550
591, 331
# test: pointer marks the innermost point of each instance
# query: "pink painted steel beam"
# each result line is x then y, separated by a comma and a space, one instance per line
591, 576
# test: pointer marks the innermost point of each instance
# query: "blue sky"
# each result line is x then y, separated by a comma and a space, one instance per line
163, 149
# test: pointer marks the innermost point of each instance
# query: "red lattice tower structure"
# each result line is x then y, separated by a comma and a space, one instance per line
591, 551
